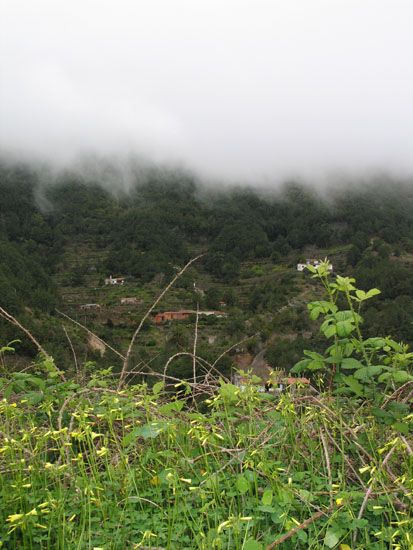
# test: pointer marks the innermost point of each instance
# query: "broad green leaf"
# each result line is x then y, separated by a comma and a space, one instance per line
368, 372
34, 397
267, 497
266, 509
329, 331
351, 363
130, 437
171, 407
315, 365
302, 536
229, 392
347, 315
373, 292
402, 376
344, 283
157, 388
376, 343
242, 484
252, 544
315, 313
361, 295
331, 538
354, 385
401, 427
344, 328
300, 366
150, 431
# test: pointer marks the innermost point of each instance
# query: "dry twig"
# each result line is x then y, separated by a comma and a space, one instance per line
155, 303
302, 525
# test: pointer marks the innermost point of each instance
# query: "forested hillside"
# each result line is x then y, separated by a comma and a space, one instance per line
61, 236
252, 405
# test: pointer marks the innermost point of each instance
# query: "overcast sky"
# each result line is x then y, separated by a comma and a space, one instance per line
238, 89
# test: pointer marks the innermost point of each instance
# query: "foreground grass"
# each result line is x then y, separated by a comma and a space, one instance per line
88, 467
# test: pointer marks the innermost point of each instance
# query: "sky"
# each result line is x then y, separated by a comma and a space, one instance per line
249, 89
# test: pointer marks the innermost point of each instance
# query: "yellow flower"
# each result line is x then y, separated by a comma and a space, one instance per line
102, 451
14, 518
186, 480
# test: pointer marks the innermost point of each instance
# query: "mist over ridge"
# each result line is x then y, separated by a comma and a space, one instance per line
235, 91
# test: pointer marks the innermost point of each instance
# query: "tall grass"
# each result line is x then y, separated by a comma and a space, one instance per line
93, 467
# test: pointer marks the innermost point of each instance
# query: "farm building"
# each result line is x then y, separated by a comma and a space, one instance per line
130, 301
183, 314
173, 316
115, 280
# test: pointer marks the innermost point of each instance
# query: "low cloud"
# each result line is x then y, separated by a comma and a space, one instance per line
233, 89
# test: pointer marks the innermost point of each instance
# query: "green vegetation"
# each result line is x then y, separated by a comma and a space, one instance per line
171, 454
61, 236
205, 464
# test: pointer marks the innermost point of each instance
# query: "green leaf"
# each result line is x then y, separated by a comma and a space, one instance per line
344, 328
266, 509
329, 331
401, 427
150, 431
157, 388
300, 366
354, 385
351, 363
373, 292
368, 372
376, 343
402, 376
173, 406
130, 437
302, 536
315, 313
252, 544
267, 497
345, 283
331, 538
242, 484
315, 365
228, 392
361, 295
34, 397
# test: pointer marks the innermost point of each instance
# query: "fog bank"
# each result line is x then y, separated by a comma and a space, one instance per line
262, 90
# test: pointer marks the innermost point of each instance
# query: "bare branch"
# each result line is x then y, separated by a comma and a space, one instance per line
137, 331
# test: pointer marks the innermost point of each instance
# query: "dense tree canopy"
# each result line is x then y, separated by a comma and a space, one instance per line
166, 217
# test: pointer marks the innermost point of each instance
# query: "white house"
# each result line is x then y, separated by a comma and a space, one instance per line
130, 301
115, 280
